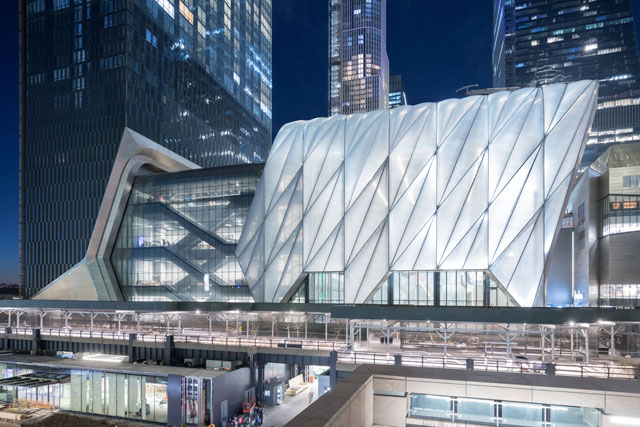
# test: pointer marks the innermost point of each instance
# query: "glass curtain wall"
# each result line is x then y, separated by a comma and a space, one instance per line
444, 288
622, 296
179, 233
493, 412
621, 214
321, 288
136, 397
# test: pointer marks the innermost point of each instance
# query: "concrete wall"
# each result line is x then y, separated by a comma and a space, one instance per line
231, 387
620, 258
377, 395
560, 274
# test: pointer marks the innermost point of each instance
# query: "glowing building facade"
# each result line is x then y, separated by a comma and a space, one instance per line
451, 203
348, 204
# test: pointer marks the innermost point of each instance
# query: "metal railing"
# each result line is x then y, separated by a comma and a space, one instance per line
585, 370
492, 365
273, 342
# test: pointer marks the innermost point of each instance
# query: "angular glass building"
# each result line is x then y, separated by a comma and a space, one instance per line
358, 62
451, 203
542, 42
193, 75
179, 232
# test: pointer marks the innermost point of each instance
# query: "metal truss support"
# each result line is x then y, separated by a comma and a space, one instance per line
18, 315
585, 333
92, 316
210, 320
41, 315
119, 317
446, 336
66, 315
611, 330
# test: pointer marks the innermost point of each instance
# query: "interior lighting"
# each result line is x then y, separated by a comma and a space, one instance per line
627, 421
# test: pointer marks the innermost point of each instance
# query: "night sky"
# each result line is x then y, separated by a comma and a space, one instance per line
437, 46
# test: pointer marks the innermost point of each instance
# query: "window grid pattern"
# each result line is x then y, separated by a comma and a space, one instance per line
621, 296
555, 41
456, 288
620, 214
93, 67
358, 62
498, 412
179, 233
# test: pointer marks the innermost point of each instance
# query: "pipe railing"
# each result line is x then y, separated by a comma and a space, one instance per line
492, 365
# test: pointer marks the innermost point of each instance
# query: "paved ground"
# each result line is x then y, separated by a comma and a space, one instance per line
278, 416
62, 419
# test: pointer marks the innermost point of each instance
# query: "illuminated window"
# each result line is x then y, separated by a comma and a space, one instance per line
184, 11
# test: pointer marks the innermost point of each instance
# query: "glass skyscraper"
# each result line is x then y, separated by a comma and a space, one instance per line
358, 62
550, 41
192, 75
397, 96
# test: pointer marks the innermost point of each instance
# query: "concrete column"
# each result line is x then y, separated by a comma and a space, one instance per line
351, 337
586, 340
572, 356
388, 339
174, 400
260, 369
168, 349
333, 377
550, 369
326, 327
7, 332
397, 359
612, 346
35, 341
132, 339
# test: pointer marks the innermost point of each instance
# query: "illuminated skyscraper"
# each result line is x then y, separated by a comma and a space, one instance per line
549, 41
194, 75
358, 62
397, 96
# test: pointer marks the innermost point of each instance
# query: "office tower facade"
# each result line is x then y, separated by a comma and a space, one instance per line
358, 62
397, 96
549, 41
193, 75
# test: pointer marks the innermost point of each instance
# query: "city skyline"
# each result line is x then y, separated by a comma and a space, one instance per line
552, 42
463, 62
